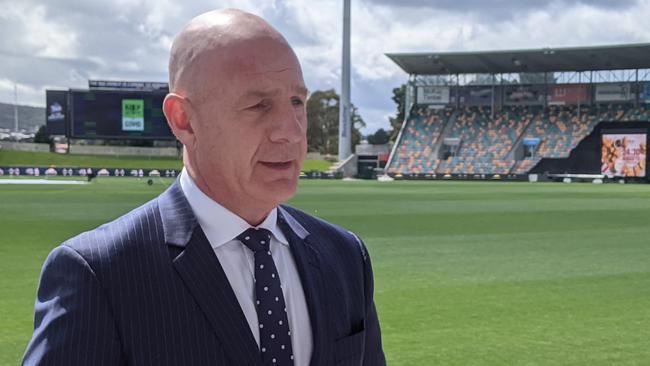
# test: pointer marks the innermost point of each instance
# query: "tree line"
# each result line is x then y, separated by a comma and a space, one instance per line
323, 119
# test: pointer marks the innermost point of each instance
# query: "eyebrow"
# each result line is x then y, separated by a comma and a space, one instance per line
301, 90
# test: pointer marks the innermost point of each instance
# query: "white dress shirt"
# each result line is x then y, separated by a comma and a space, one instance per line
221, 227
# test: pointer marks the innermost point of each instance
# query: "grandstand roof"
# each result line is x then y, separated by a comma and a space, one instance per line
617, 57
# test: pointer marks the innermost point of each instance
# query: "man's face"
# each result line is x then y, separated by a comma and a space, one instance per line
251, 130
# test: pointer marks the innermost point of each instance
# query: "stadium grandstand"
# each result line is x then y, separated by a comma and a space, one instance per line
507, 114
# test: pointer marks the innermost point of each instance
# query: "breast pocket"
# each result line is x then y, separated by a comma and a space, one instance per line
348, 350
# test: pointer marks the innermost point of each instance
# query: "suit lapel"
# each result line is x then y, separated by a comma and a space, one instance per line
202, 274
308, 260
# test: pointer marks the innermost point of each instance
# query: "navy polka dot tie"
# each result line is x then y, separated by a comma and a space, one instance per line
275, 335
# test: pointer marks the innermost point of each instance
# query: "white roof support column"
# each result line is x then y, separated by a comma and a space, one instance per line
345, 122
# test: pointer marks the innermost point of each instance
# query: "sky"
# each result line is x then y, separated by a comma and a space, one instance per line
63, 43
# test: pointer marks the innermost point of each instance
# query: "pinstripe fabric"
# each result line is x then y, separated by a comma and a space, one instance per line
337, 276
147, 289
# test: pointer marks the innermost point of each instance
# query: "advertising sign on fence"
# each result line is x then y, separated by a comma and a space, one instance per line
478, 95
623, 155
532, 141
433, 95
562, 94
524, 94
617, 92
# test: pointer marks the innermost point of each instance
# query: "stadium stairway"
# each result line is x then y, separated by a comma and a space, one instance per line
445, 132
419, 135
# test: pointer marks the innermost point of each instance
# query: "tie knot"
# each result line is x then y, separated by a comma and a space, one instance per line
256, 239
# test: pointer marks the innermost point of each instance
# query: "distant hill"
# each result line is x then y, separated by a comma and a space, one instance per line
28, 117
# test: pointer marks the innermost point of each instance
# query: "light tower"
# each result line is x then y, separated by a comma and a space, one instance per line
15, 107
345, 128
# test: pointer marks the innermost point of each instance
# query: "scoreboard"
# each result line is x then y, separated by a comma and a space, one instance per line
118, 114
110, 110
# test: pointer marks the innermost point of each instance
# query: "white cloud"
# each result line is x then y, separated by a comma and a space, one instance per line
64, 42
33, 32
33, 96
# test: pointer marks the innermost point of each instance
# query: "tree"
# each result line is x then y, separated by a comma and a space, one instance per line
399, 97
380, 137
322, 117
357, 124
323, 120
42, 136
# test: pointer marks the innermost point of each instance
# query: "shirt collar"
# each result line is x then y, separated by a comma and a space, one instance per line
220, 224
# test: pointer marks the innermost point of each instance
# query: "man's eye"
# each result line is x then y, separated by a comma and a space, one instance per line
261, 105
297, 101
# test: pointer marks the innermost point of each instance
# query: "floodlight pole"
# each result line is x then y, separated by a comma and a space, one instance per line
16, 107
345, 128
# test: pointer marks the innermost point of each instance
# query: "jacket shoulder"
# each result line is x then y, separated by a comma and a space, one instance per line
327, 231
129, 233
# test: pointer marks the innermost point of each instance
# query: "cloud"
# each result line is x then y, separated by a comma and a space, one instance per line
27, 28
62, 43
496, 10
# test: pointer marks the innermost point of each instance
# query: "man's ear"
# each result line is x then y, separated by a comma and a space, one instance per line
178, 112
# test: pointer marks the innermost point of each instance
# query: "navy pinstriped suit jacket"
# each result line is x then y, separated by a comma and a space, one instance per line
147, 289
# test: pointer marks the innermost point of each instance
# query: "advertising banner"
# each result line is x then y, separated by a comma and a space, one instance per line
56, 112
132, 115
478, 95
618, 92
524, 94
433, 95
623, 155
567, 94
532, 141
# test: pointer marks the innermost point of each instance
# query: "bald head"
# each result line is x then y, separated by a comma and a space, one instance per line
214, 34
237, 104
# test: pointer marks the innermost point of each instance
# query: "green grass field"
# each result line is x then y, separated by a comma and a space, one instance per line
23, 158
483, 273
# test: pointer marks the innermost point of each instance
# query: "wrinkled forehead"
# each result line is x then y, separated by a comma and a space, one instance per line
253, 61
226, 42
259, 56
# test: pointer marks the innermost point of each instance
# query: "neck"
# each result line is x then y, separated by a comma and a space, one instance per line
253, 213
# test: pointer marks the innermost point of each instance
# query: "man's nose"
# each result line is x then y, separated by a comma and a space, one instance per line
289, 124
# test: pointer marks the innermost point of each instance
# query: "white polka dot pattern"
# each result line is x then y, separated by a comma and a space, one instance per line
275, 336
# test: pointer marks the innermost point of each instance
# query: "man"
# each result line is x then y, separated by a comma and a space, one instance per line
215, 271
